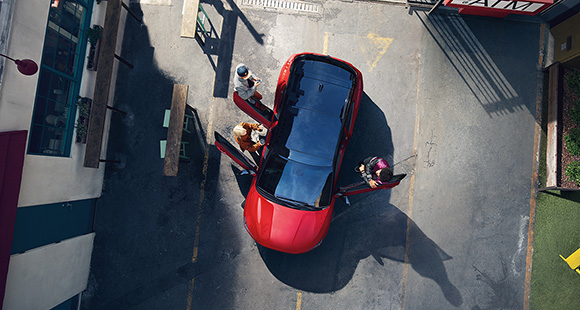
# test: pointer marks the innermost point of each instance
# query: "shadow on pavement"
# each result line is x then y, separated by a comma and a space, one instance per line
371, 137
144, 222
356, 236
492, 75
223, 45
244, 181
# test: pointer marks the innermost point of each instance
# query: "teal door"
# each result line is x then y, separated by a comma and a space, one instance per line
45, 224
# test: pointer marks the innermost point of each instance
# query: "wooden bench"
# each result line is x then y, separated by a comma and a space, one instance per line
175, 130
552, 148
108, 43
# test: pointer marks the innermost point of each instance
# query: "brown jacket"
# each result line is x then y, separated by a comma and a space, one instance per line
245, 141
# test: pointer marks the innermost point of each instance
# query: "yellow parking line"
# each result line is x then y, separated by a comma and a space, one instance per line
406, 263
200, 203
190, 293
411, 189
377, 43
325, 46
299, 301
534, 180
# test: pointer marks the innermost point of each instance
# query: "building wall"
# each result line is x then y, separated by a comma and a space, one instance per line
560, 11
25, 41
567, 41
46, 276
46, 179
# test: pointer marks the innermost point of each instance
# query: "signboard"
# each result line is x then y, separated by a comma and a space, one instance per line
499, 8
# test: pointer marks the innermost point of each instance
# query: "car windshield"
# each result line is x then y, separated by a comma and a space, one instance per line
290, 180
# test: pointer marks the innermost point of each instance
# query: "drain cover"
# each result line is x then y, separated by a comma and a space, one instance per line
284, 5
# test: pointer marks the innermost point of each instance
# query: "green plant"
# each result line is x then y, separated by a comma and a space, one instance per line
82, 128
91, 58
574, 81
573, 142
575, 112
83, 104
94, 34
573, 171
81, 125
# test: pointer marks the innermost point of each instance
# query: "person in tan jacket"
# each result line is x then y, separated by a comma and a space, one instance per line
243, 135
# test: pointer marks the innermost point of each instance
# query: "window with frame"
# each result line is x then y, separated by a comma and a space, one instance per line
59, 79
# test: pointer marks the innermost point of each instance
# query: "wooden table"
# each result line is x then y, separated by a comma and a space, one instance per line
189, 21
175, 130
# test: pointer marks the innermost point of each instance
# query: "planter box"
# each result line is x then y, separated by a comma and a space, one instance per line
561, 101
94, 53
83, 122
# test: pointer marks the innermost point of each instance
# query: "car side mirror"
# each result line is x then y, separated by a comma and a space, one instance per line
344, 198
245, 172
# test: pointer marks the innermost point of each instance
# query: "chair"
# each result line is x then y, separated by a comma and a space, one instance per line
163, 146
573, 260
185, 120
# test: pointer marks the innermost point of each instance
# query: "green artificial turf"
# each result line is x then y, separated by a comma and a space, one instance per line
557, 231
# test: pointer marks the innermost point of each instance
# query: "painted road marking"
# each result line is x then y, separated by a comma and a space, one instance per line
325, 47
379, 45
299, 300
200, 203
534, 179
411, 189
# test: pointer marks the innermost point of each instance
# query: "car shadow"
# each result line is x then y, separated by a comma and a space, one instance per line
370, 227
389, 234
371, 137
244, 181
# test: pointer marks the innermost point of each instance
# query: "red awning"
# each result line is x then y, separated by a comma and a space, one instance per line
12, 147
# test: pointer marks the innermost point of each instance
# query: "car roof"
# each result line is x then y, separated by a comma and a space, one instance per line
311, 117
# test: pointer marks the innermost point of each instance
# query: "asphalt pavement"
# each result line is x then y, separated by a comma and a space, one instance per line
451, 100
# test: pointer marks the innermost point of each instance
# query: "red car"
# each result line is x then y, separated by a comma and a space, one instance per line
293, 191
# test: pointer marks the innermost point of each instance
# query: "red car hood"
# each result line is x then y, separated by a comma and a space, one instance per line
282, 228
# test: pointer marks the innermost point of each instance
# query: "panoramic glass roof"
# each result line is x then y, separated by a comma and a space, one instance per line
319, 94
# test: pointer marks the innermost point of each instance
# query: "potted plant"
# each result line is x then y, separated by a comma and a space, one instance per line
93, 36
82, 124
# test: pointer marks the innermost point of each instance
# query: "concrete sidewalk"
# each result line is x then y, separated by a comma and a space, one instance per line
478, 137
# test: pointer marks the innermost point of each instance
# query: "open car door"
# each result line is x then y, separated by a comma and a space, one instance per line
234, 153
363, 187
259, 112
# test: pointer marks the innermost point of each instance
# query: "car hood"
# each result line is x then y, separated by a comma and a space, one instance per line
282, 228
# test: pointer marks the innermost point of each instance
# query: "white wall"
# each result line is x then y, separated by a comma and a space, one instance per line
44, 277
46, 179
26, 40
